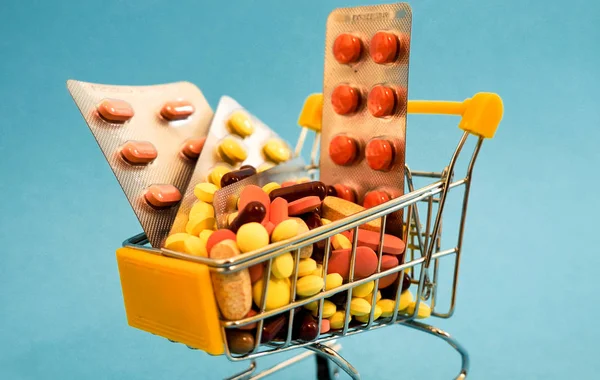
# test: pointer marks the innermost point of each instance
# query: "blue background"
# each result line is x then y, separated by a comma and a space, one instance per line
528, 282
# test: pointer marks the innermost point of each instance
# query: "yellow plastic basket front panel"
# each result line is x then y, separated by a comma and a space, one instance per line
171, 298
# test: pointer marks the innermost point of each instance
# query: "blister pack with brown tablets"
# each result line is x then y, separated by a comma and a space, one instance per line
365, 93
226, 200
236, 140
152, 137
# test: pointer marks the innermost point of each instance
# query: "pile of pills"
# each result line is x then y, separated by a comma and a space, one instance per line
278, 212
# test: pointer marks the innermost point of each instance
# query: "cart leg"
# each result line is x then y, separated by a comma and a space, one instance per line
464, 355
330, 354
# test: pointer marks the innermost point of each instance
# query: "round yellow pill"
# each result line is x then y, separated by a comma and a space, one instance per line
333, 280
329, 309
240, 123
365, 318
369, 297
201, 210
231, 217
205, 191
278, 294
339, 241
359, 306
285, 230
306, 267
312, 305
325, 221
309, 285
270, 187
204, 235
283, 266
363, 290
252, 236
276, 150
217, 173
337, 319
423, 312
196, 225
186, 243
232, 150
318, 271
265, 166
406, 298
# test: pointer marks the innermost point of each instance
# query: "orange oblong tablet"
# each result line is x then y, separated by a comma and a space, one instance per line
177, 110
384, 47
347, 48
161, 196
379, 154
192, 147
343, 150
392, 245
365, 264
345, 99
381, 101
388, 262
138, 152
115, 110
303, 205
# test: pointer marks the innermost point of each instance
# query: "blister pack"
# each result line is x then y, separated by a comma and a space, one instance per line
151, 136
226, 199
365, 97
236, 140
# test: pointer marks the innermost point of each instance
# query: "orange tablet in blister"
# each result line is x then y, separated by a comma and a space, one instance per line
177, 110
193, 147
115, 110
138, 152
161, 196
382, 101
347, 48
343, 150
379, 154
375, 198
345, 99
345, 192
384, 47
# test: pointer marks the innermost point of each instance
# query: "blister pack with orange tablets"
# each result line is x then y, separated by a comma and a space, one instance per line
237, 140
365, 97
152, 137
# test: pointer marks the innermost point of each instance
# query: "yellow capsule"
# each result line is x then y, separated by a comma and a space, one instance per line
232, 150
252, 236
329, 309
270, 187
285, 230
333, 280
283, 266
306, 267
359, 306
365, 318
205, 191
337, 319
186, 243
423, 312
216, 174
276, 150
278, 294
309, 285
265, 166
363, 290
339, 241
240, 123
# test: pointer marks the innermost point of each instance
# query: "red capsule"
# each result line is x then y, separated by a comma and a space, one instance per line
301, 190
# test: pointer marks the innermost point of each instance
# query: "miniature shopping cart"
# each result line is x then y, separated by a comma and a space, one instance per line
165, 291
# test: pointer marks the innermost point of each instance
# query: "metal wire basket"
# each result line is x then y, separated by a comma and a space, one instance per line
424, 208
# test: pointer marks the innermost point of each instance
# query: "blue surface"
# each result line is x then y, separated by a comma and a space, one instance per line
528, 282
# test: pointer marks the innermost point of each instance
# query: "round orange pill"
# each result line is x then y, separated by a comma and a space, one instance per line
375, 198
379, 154
347, 48
345, 99
345, 192
384, 47
382, 101
343, 150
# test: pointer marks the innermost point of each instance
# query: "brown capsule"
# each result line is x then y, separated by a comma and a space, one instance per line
252, 212
339, 299
237, 175
240, 342
312, 220
301, 190
306, 328
272, 327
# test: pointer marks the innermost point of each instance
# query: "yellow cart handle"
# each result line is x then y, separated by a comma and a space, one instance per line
481, 114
